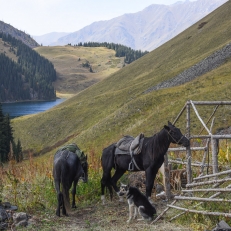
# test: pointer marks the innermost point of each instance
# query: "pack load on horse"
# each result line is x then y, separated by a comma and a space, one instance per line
70, 165
138, 154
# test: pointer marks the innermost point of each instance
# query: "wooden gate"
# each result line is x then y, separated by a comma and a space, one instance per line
213, 185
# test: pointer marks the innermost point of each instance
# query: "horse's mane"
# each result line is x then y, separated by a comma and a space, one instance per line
157, 145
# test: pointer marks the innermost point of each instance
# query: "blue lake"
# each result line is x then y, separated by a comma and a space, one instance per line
26, 108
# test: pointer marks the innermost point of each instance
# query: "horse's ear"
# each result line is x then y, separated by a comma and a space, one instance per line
169, 123
167, 127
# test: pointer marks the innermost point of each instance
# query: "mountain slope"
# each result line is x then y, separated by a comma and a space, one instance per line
24, 74
118, 106
18, 34
146, 29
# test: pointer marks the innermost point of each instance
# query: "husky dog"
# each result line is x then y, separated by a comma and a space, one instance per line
137, 201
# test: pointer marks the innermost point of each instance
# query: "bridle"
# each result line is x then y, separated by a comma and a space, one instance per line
177, 142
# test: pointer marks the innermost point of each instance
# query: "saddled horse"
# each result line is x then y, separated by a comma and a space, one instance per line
67, 170
149, 159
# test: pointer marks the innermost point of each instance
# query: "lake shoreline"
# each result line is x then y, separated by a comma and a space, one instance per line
22, 101
17, 109
59, 96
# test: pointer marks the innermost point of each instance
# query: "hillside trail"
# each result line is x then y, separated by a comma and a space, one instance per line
112, 216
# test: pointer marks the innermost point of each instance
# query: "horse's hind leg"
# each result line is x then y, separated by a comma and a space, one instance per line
118, 174
59, 197
64, 212
73, 192
60, 204
103, 185
60, 200
105, 182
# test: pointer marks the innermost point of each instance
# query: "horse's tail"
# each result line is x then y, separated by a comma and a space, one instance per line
65, 187
107, 162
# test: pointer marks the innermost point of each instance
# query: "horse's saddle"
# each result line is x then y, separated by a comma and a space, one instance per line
129, 144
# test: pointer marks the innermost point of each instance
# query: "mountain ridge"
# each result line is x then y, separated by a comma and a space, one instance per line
18, 34
146, 29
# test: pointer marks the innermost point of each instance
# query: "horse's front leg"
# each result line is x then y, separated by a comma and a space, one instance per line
150, 173
73, 192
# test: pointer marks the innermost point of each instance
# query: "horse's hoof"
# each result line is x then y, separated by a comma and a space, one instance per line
103, 199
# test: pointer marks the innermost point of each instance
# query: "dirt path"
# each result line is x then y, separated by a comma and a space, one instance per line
112, 216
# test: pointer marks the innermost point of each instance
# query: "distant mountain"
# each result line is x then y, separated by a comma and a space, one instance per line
146, 29
49, 38
18, 34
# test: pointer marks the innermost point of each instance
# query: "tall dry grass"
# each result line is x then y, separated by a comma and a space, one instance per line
29, 184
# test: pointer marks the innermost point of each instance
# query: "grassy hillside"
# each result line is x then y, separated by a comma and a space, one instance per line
69, 60
102, 113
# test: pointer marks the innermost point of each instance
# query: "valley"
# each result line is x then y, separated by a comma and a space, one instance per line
72, 76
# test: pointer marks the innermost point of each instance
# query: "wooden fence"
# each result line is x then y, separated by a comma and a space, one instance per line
194, 184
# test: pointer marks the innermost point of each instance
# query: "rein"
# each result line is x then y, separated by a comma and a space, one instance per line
177, 142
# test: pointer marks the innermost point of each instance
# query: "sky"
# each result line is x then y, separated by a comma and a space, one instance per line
39, 17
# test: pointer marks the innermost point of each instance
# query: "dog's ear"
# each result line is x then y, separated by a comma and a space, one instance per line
122, 184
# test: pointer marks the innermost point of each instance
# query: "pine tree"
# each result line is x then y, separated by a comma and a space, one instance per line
6, 138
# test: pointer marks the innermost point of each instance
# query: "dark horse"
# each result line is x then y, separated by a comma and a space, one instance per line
149, 160
68, 169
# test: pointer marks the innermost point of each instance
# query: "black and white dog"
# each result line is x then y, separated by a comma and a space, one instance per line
137, 201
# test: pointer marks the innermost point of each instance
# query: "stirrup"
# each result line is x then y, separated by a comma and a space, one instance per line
131, 166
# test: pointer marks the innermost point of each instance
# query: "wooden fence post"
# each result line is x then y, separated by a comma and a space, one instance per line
215, 150
167, 178
188, 150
